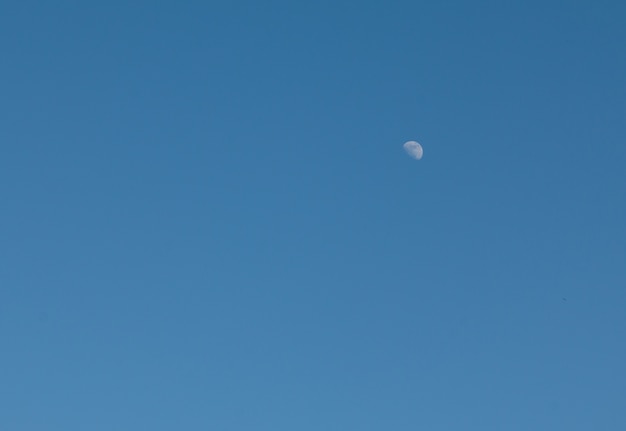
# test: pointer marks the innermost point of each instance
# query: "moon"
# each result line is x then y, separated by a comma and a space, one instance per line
413, 149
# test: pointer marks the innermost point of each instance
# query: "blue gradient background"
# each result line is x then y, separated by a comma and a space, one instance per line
208, 221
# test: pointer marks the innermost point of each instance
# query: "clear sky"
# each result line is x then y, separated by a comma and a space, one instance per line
208, 221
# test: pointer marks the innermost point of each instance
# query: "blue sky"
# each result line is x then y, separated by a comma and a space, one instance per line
208, 220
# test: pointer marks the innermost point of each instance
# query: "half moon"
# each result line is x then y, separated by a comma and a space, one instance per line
413, 149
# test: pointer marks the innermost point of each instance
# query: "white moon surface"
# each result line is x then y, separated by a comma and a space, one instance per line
413, 149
